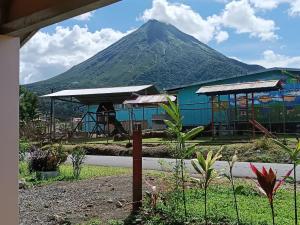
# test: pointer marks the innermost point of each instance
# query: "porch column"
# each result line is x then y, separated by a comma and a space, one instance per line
9, 129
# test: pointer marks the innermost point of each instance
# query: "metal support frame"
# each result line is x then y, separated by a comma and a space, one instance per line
52, 118
235, 114
212, 117
283, 115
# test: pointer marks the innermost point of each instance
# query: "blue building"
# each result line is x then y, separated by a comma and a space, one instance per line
271, 108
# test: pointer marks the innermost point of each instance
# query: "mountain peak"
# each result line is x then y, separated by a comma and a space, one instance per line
156, 53
156, 31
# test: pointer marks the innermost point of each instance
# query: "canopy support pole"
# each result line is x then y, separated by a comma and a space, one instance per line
212, 117
235, 115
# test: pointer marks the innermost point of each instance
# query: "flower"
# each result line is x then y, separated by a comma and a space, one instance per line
267, 181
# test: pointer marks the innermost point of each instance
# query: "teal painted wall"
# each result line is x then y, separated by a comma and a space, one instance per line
196, 109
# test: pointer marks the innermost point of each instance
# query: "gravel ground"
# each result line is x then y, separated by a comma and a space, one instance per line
75, 202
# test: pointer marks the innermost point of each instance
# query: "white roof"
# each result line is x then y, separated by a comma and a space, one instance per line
150, 99
98, 91
246, 86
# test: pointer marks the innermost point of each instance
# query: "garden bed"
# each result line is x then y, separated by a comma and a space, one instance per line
259, 150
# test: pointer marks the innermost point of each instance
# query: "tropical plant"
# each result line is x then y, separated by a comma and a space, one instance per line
204, 166
294, 155
175, 127
78, 155
267, 184
234, 189
47, 159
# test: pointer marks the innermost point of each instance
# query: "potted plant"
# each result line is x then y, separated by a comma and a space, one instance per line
45, 162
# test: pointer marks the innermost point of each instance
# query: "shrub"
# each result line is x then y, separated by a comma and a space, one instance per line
47, 159
263, 143
24, 146
77, 157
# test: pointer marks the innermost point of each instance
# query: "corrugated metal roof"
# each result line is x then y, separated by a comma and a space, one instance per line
245, 87
235, 76
98, 91
115, 95
150, 99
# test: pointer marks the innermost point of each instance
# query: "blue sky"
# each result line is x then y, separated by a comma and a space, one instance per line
254, 31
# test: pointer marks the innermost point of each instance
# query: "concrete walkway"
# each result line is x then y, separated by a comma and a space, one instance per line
241, 169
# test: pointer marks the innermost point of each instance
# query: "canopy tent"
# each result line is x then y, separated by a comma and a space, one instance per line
95, 96
145, 100
236, 88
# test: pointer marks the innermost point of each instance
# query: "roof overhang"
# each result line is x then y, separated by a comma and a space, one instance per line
148, 100
22, 19
238, 88
94, 96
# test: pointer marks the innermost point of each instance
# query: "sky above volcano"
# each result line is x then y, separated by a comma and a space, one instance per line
253, 31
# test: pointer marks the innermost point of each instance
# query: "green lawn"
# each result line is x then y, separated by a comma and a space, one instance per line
65, 173
254, 208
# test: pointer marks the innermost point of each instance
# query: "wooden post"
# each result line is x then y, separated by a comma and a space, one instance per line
253, 115
137, 169
235, 114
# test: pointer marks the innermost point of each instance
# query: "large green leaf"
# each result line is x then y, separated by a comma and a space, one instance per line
195, 164
170, 112
192, 133
201, 161
190, 150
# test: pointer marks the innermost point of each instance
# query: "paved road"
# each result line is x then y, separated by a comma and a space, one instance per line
241, 169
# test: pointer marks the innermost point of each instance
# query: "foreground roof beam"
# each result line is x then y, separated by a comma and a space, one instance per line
24, 18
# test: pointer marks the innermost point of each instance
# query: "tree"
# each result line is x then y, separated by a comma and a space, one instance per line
28, 105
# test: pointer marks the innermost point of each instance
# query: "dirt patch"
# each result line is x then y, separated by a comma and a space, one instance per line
76, 202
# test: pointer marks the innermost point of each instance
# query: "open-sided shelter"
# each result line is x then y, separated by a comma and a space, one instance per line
103, 120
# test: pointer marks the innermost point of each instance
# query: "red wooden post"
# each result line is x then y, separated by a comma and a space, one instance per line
253, 115
137, 169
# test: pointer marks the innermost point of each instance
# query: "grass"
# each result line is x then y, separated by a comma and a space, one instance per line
254, 208
66, 173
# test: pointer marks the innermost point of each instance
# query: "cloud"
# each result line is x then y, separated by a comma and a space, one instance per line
271, 59
183, 17
240, 16
222, 36
84, 17
266, 4
294, 5
295, 8
47, 55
